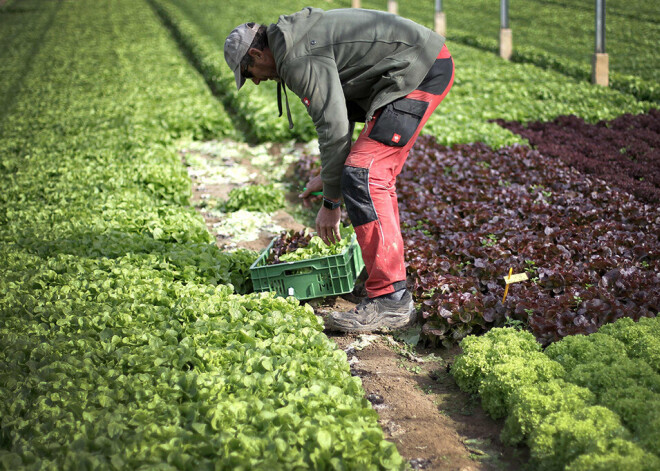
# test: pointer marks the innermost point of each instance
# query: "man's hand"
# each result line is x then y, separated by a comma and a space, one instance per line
327, 225
314, 185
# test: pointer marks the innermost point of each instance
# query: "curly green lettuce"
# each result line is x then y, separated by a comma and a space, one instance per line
481, 354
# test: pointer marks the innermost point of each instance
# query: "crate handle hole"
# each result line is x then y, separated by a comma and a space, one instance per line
299, 271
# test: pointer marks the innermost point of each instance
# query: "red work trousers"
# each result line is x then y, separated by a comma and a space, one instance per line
369, 176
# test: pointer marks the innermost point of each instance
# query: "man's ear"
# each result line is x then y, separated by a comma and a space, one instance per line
255, 53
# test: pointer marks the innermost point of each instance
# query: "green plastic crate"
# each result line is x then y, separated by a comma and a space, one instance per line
312, 278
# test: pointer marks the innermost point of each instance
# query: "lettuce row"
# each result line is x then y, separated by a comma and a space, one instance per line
124, 343
174, 372
614, 365
587, 402
261, 198
640, 88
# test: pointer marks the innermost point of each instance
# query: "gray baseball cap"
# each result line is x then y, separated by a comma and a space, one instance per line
236, 46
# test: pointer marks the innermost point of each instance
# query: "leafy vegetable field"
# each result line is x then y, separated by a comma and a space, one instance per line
586, 403
201, 27
486, 88
559, 35
470, 213
623, 152
124, 345
131, 341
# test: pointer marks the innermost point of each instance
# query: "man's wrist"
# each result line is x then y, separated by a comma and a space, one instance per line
330, 204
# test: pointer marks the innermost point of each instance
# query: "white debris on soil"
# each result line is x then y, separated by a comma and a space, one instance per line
392, 428
364, 340
289, 153
275, 168
209, 164
219, 162
244, 226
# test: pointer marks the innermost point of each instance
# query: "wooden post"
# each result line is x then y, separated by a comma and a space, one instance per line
506, 36
600, 64
393, 7
355, 3
600, 69
506, 43
440, 19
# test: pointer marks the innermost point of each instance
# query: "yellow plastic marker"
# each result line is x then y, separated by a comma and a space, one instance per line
513, 279
506, 289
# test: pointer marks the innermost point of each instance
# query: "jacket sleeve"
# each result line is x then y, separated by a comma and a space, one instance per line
316, 82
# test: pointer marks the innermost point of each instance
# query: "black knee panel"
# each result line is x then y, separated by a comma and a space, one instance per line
437, 79
355, 188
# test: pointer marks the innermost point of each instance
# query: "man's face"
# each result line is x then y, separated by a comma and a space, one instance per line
263, 67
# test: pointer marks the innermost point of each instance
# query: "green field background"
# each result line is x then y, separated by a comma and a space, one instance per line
485, 88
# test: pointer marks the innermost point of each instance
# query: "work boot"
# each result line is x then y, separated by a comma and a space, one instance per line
374, 314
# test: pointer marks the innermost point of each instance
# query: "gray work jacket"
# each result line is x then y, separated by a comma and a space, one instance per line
363, 58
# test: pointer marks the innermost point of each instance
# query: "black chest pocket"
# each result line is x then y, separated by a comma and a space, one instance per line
398, 121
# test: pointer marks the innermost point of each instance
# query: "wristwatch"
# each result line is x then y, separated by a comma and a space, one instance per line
331, 204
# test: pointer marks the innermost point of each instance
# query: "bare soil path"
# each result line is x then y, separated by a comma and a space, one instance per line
434, 425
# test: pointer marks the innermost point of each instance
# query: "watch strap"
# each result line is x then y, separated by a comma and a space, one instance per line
331, 204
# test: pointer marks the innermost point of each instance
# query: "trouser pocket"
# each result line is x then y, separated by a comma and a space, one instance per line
398, 122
